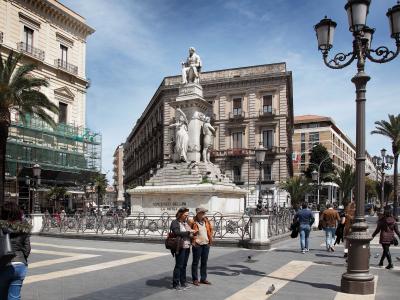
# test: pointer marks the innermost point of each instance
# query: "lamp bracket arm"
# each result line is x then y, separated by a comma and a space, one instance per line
385, 55
339, 60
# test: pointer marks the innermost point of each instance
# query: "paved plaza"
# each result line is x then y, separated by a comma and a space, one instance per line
82, 269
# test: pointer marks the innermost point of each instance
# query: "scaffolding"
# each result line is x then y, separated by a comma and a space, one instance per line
65, 148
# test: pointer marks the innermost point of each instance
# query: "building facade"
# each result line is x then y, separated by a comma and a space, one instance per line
118, 177
249, 106
53, 37
310, 130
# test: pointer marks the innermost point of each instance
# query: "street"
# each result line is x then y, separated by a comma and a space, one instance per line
81, 269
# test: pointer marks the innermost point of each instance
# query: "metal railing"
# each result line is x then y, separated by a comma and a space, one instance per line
62, 64
237, 115
30, 50
280, 221
271, 112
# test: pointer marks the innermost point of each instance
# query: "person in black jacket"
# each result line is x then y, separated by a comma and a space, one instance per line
181, 228
13, 274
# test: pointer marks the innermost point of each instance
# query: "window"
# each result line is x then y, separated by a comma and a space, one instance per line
267, 104
313, 138
237, 140
303, 148
237, 106
28, 39
64, 53
237, 176
268, 139
62, 115
267, 172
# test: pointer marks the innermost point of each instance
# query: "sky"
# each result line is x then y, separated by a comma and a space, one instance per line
137, 43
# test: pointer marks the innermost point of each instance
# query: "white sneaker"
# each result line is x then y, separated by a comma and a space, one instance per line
307, 250
303, 251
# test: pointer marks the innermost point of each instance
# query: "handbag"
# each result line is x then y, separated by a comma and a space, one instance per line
6, 252
395, 241
172, 242
295, 227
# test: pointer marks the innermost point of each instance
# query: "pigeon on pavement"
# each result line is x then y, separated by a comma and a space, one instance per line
270, 290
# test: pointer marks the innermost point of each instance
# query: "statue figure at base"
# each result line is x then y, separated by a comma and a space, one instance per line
181, 136
208, 141
191, 68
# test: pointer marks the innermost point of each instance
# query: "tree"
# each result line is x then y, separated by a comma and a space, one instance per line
318, 154
297, 187
100, 182
391, 129
346, 180
370, 188
387, 190
19, 92
56, 194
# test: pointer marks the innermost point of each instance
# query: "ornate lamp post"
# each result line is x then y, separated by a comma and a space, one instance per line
260, 157
382, 163
357, 279
36, 169
316, 175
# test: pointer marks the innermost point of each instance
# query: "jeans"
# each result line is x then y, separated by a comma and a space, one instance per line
200, 253
304, 235
330, 236
179, 275
386, 254
11, 278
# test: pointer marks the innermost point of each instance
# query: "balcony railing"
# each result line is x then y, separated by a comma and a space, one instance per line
237, 115
62, 64
238, 152
267, 113
30, 50
237, 179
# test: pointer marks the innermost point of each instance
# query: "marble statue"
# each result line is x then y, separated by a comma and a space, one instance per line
191, 68
208, 140
181, 136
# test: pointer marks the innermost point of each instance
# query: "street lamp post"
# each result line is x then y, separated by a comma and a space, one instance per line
260, 157
357, 279
316, 175
35, 182
382, 163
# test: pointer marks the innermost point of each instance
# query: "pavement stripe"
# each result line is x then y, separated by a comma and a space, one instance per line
94, 249
344, 296
70, 257
90, 268
279, 278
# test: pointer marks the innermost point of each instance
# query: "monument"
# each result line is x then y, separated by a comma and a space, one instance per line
191, 179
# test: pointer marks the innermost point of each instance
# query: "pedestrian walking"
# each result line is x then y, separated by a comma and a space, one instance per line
340, 229
387, 226
349, 212
305, 219
181, 228
201, 245
13, 274
330, 218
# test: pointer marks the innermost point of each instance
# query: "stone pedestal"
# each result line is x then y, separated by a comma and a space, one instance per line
37, 222
191, 185
259, 233
190, 101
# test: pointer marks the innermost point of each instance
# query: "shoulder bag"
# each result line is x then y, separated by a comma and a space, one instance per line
6, 252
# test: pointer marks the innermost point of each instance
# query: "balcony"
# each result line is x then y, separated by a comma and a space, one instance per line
30, 50
237, 152
237, 179
237, 115
63, 65
267, 113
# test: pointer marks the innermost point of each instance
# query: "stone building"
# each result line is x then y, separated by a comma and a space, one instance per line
249, 105
118, 177
54, 38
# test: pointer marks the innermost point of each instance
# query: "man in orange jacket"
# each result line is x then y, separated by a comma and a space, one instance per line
201, 245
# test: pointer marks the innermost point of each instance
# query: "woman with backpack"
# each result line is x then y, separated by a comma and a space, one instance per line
181, 229
13, 273
387, 226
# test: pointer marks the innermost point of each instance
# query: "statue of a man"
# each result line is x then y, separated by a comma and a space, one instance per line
191, 68
208, 141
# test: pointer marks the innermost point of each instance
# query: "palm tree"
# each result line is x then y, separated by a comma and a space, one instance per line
55, 194
391, 129
297, 187
346, 180
19, 92
100, 184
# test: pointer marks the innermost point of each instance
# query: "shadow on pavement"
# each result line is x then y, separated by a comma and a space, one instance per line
333, 287
164, 282
234, 270
327, 255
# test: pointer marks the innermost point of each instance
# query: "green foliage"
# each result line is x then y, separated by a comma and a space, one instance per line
370, 187
346, 180
297, 187
318, 154
100, 182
